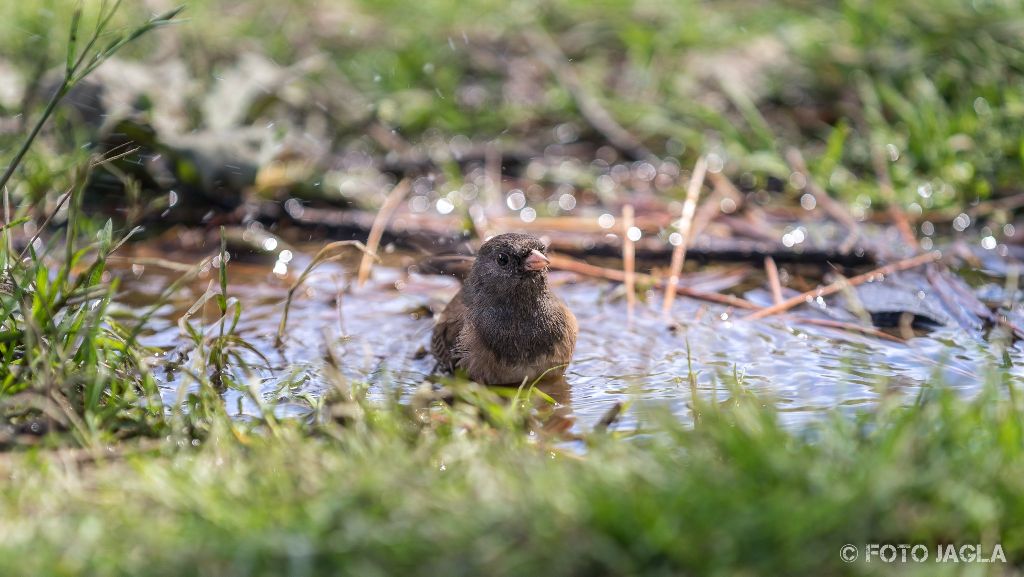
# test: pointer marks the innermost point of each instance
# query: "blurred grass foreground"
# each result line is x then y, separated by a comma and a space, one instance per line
119, 121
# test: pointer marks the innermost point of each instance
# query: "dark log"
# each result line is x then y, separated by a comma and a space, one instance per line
437, 235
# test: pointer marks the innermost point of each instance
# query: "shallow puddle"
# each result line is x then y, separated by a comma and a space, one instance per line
376, 332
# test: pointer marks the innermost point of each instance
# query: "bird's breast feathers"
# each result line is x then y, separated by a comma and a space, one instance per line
508, 353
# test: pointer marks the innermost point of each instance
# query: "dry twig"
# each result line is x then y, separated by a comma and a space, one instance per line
711, 208
331, 252
826, 202
852, 327
679, 253
893, 207
609, 417
392, 201
773, 279
629, 259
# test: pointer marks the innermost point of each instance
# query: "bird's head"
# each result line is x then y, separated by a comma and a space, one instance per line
510, 263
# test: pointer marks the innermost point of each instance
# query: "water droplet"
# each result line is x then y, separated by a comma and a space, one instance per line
444, 206
715, 163
797, 180
961, 222
419, 203
645, 171
294, 208
567, 202
515, 200
981, 106
894, 153
566, 133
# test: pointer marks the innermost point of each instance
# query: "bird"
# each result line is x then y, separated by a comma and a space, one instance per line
506, 326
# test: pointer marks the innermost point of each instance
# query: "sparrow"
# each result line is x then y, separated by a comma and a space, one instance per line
506, 326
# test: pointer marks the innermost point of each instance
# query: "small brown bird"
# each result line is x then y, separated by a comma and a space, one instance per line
505, 325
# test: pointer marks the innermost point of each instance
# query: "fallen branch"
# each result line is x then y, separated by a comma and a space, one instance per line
416, 161
436, 234
650, 224
562, 262
841, 284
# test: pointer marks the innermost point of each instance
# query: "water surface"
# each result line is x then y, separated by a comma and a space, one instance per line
377, 332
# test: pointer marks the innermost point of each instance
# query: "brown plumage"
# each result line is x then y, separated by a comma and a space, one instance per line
505, 325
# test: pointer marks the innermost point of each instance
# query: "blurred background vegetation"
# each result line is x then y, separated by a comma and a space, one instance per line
934, 86
927, 93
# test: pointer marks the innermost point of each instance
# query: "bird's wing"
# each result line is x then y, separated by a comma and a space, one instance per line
446, 333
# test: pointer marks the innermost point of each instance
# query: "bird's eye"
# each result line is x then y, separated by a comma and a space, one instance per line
502, 259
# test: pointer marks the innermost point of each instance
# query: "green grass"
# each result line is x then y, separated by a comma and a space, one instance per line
123, 485
389, 494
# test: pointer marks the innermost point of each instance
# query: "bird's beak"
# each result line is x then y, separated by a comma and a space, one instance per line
536, 261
